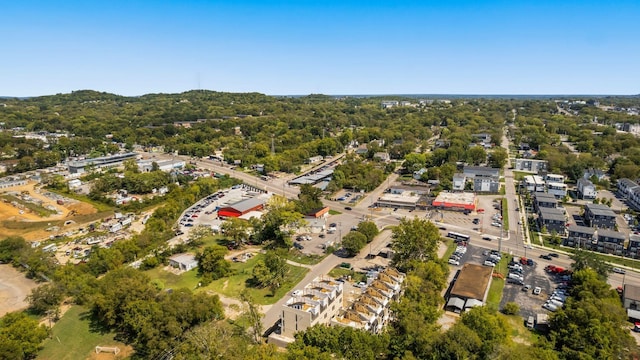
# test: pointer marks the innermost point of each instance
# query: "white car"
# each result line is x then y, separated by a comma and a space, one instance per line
537, 290
617, 270
454, 262
296, 293
496, 224
489, 263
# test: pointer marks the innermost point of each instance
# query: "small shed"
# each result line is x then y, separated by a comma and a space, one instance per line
184, 262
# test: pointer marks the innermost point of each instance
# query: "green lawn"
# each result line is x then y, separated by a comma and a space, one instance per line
233, 285
297, 256
334, 212
497, 284
451, 247
339, 271
505, 214
74, 337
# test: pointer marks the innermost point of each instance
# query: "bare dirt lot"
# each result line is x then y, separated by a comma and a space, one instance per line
14, 288
19, 222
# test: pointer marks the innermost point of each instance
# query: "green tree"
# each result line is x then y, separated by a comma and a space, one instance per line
368, 229
45, 297
271, 271
20, 336
476, 155
414, 240
583, 259
236, 229
498, 158
353, 242
212, 264
511, 308
309, 199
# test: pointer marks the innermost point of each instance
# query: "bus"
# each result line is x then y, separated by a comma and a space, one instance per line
457, 236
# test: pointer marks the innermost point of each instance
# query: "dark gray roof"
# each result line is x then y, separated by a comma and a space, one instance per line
584, 182
546, 197
481, 171
552, 214
628, 183
600, 210
582, 229
610, 234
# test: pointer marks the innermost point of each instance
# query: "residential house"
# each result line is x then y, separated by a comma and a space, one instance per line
610, 242
319, 302
530, 165
589, 173
481, 171
184, 262
600, 216
625, 186
580, 236
552, 219
486, 184
544, 200
370, 311
633, 248
315, 159
559, 190
418, 173
554, 178
533, 183
382, 155
586, 189
459, 181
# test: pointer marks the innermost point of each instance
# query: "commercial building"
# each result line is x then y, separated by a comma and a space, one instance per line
470, 288
600, 216
455, 201
405, 200
241, 207
78, 166
163, 165
313, 178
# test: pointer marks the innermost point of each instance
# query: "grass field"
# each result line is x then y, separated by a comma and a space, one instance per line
297, 256
98, 205
505, 214
339, 271
497, 284
74, 337
231, 286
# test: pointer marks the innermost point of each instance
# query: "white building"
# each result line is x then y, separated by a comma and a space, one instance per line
586, 189
184, 262
559, 190
533, 183
530, 165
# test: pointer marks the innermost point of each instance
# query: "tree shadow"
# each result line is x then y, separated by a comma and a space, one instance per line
95, 326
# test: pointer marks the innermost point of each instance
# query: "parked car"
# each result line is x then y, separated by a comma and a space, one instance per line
526, 287
296, 293
454, 262
476, 221
489, 263
537, 290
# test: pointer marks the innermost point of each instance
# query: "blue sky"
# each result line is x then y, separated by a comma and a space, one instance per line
330, 47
